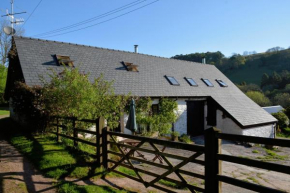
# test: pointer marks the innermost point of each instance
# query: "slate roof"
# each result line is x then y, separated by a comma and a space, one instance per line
273, 109
36, 58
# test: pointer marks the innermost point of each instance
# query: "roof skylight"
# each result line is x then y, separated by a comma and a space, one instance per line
207, 82
190, 81
172, 80
221, 83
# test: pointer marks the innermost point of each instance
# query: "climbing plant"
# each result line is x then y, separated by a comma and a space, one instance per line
160, 122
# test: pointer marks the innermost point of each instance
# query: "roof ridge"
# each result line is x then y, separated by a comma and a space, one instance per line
23, 37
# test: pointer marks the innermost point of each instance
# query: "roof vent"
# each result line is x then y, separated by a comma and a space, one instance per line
131, 67
64, 60
203, 60
136, 48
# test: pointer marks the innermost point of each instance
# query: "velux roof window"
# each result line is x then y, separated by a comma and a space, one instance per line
172, 80
64, 60
207, 82
221, 83
190, 81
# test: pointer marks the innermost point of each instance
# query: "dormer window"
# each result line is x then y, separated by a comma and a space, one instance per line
131, 67
64, 60
207, 82
221, 83
190, 81
172, 80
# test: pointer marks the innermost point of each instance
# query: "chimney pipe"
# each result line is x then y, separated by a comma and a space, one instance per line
203, 61
136, 48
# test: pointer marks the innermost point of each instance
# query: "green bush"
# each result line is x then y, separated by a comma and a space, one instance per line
185, 138
259, 98
283, 120
71, 94
175, 133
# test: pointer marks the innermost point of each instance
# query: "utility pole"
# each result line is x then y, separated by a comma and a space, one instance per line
11, 15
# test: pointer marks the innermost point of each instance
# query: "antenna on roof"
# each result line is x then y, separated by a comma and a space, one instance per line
11, 30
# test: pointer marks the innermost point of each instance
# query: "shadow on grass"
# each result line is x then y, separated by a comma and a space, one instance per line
52, 159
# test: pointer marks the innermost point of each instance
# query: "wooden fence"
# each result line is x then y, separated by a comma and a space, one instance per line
150, 146
58, 123
212, 152
213, 157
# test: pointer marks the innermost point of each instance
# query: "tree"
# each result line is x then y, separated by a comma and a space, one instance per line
5, 41
5, 45
71, 94
259, 98
236, 61
246, 53
283, 120
265, 80
275, 79
275, 49
282, 99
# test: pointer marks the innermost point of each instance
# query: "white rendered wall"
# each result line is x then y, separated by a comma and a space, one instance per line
262, 131
181, 123
227, 125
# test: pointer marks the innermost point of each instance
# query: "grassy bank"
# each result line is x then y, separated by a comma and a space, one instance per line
56, 160
4, 112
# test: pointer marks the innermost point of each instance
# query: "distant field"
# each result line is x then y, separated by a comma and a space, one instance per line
249, 75
4, 112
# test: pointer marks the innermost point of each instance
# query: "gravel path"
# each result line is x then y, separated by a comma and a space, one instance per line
17, 175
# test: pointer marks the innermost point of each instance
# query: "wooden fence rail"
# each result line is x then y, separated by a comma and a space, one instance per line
75, 138
212, 152
213, 172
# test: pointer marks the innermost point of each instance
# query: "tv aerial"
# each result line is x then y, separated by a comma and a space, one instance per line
10, 30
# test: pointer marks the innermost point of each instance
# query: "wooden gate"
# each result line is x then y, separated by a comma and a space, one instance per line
149, 151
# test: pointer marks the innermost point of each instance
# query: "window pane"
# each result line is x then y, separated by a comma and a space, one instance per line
191, 82
172, 80
207, 82
222, 83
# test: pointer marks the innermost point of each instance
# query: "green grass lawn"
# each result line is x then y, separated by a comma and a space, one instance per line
251, 74
4, 112
56, 160
72, 188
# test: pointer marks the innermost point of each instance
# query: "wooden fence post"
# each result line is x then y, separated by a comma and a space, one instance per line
98, 142
212, 164
75, 132
105, 147
57, 129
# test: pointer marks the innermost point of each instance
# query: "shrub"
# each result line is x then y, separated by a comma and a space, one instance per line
259, 98
175, 133
28, 106
160, 122
71, 94
185, 138
283, 120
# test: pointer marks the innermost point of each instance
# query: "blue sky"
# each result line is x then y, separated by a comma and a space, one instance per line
167, 27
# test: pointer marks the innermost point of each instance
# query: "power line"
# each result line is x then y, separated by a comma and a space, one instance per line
92, 19
32, 12
103, 21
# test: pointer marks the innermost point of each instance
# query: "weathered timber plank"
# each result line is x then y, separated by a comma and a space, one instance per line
258, 140
247, 185
160, 165
255, 163
179, 145
201, 162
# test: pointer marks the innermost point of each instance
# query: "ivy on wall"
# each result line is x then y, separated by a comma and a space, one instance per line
160, 122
